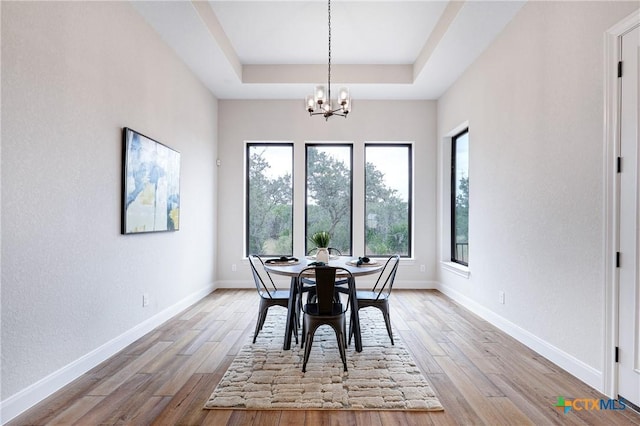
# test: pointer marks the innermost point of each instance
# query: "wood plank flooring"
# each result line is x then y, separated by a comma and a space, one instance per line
481, 375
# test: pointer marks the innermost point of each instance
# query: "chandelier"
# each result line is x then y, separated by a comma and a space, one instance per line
320, 103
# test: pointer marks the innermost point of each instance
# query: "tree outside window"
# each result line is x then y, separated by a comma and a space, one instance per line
269, 199
387, 199
329, 194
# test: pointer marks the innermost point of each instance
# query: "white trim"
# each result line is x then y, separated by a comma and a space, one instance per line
20, 402
458, 129
398, 284
574, 366
456, 268
609, 385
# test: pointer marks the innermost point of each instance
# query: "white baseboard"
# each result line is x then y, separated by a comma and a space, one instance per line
28, 397
31, 395
567, 362
399, 284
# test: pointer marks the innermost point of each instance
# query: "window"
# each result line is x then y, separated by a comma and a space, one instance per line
460, 198
387, 199
329, 194
384, 222
269, 199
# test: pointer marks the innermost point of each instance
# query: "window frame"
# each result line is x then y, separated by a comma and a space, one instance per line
307, 145
453, 190
410, 194
247, 210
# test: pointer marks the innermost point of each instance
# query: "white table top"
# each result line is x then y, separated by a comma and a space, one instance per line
342, 262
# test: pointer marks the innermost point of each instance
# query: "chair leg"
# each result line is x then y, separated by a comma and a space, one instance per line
295, 323
384, 308
342, 343
387, 321
255, 333
342, 350
304, 332
351, 328
307, 349
262, 315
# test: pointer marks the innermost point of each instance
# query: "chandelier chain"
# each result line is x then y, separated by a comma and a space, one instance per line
329, 71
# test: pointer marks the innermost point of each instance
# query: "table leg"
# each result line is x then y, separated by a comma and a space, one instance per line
291, 313
355, 317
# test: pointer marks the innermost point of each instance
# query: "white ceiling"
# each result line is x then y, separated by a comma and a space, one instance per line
279, 49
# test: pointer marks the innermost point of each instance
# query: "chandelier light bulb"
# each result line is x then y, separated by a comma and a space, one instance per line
344, 95
310, 103
320, 96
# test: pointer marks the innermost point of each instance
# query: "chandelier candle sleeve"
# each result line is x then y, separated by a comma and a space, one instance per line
344, 96
320, 97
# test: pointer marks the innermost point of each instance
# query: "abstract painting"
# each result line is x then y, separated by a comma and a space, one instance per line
151, 185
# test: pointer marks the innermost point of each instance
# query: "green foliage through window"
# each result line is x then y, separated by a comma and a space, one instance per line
328, 198
387, 199
269, 199
329, 188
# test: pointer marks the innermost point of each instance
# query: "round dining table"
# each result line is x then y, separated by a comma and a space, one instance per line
292, 269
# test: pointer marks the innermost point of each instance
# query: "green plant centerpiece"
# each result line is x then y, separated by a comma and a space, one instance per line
321, 240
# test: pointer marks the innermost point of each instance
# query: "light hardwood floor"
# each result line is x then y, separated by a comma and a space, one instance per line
481, 375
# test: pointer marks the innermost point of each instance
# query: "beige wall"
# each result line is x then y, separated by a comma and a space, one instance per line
406, 121
74, 74
534, 103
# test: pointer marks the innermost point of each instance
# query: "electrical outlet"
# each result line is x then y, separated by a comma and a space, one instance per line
145, 299
501, 297
423, 268
234, 268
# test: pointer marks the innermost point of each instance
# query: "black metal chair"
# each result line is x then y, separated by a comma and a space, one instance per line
269, 294
324, 310
378, 296
309, 283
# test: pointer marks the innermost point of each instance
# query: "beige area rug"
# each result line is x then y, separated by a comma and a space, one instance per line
381, 377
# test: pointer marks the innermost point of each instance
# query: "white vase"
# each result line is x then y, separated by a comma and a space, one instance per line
322, 255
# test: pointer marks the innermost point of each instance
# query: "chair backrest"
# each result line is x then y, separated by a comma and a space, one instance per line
332, 250
260, 276
387, 276
325, 280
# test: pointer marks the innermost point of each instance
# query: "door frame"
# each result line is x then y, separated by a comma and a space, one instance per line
612, 55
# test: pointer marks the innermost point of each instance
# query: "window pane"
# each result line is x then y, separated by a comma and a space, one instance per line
460, 199
329, 187
269, 199
388, 198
